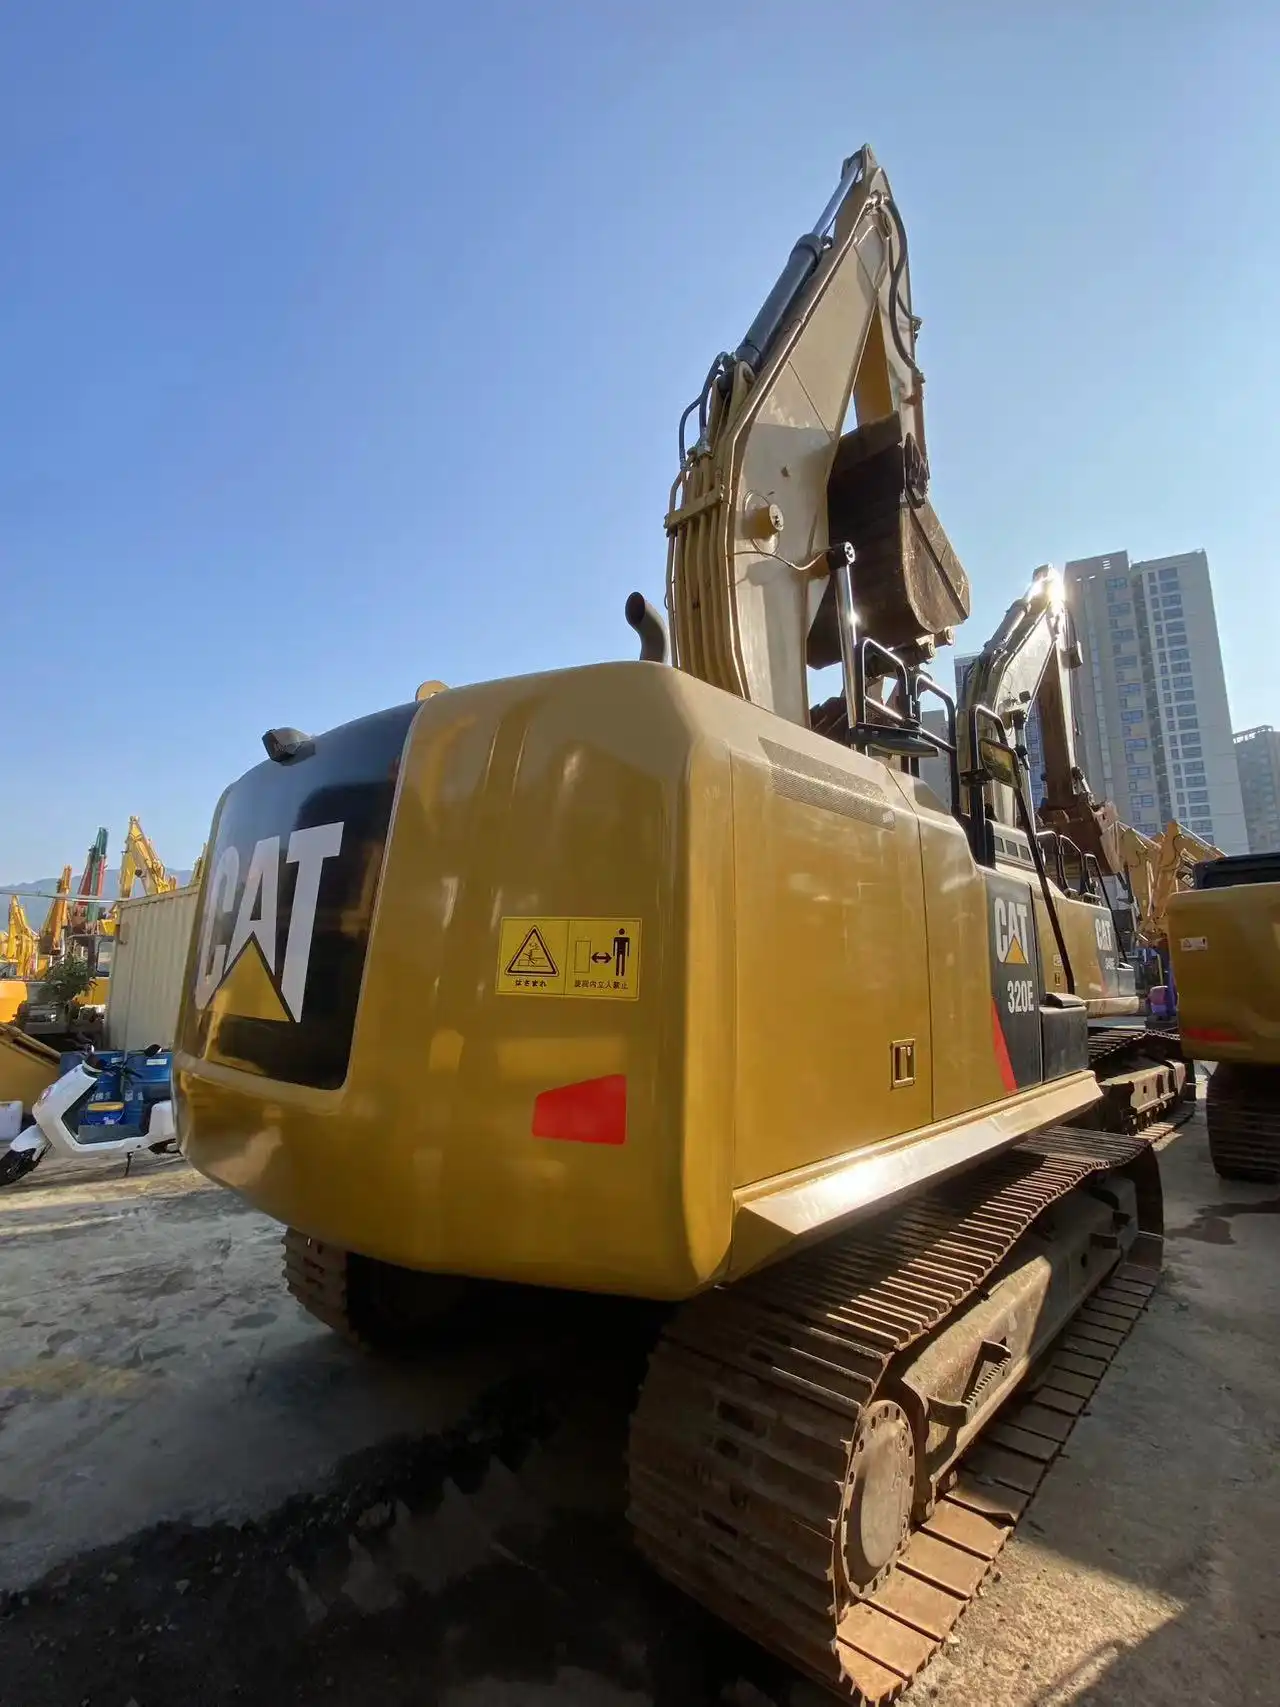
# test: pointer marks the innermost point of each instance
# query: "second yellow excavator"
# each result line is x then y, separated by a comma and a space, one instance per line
724, 1007
1224, 937
139, 859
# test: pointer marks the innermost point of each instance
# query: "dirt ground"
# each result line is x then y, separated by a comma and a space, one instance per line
205, 1498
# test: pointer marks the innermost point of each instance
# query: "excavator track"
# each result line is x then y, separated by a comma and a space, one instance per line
763, 1398
1109, 1047
373, 1305
1242, 1112
1143, 1076
318, 1276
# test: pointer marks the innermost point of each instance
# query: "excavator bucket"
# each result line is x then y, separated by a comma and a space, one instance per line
27, 1066
907, 579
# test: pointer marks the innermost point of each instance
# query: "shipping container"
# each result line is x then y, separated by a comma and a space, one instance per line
145, 988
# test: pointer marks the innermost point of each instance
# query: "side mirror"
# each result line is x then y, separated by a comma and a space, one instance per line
999, 761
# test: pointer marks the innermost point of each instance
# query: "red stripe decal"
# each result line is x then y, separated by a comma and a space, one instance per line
1002, 1050
1210, 1034
593, 1111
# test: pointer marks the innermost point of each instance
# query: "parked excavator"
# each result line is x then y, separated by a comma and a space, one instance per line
18, 961
1153, 871
1132, 856
18, 946
1178, 856
726, 1008
1223, 937
140, 860
55, 921
27, 1067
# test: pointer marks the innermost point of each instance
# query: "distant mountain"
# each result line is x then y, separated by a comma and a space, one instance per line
37, 911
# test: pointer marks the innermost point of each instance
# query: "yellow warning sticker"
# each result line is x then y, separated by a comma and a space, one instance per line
597, 958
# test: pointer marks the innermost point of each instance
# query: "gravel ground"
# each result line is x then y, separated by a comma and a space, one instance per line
205, 1498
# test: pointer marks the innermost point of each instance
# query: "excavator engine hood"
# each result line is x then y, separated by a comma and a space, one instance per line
603, 979
433, 1005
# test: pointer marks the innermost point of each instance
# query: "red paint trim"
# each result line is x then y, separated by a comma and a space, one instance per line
1002, 1050
1210, 1034
594, 1111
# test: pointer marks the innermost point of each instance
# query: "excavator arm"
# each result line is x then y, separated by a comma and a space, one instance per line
1026, 664
140, 859
1176, 855
1134, 855
774, 477
55, 923
20, 941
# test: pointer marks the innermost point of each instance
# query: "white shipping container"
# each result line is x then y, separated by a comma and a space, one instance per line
144, 991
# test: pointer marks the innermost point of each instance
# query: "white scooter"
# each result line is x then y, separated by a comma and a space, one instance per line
106, 1104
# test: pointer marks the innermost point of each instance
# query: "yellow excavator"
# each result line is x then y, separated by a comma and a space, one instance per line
725, 1007
18, 959
1224, 939
26, 1066
1178, 855
1153, 871
1133, 857
18, 947
140, 860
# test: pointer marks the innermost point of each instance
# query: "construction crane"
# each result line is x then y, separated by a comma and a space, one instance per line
140, 859
723, 1007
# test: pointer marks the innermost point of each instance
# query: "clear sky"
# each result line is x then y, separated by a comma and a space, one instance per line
342, 345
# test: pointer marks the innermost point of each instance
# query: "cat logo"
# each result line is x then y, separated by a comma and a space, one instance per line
240, 975
1103, 932
1013, 939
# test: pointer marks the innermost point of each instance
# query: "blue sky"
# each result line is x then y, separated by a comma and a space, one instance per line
343, 345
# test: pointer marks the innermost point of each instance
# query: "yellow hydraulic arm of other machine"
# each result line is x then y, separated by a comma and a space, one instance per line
774, 478
20, 942
140, 859
1177, 854
1133, 855
1025, 666
56, 919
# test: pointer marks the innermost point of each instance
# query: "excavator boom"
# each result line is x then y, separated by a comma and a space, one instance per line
811, 434
140, 859
20, 941
55, 922
1176, 855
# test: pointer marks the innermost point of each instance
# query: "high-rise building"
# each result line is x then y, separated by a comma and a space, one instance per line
1153, 725
1258, 764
